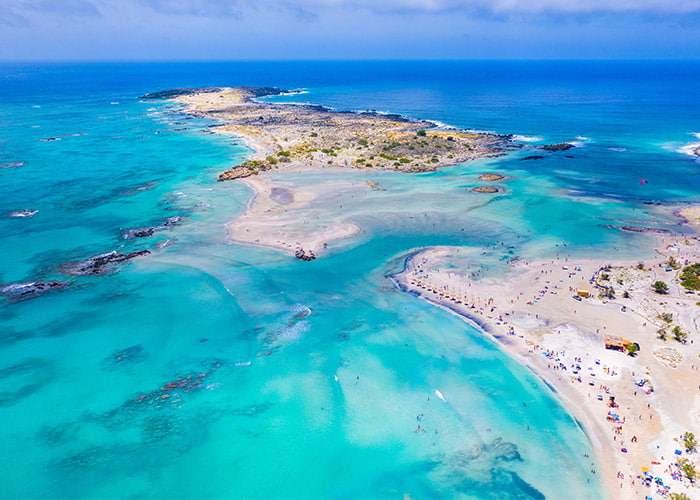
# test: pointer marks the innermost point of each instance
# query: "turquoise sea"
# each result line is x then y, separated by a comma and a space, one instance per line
213, 370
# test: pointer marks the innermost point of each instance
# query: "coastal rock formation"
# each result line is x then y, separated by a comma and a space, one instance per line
239, 172
697, 152
169, 94
303, 255
562, 146
17, 292
491, 177
533, 157
303, 136
145, 232
485, 189
100, 264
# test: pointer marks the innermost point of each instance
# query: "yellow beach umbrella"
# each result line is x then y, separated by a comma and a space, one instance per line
645, 469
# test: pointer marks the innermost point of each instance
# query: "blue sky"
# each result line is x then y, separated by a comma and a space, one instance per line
348, 29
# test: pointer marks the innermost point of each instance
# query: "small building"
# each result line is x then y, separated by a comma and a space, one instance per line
618, 344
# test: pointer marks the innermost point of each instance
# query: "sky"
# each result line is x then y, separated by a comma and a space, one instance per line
189, 30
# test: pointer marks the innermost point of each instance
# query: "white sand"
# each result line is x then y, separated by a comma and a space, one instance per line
274, 218
533, 316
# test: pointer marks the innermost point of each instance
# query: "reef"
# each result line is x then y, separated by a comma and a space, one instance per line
145, 232
491, 177
17, 292
562, 146
485, 189
100, 264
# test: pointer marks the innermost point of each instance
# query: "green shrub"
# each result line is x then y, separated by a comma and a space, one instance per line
660, 287
690, 277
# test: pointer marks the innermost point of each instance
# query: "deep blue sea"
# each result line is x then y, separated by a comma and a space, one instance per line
214, 370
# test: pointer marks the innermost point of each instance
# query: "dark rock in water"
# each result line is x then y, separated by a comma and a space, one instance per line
12, 164
100, 264
169, 94
485, 189
533, 157
652, 203
17, 292
23, 213
145, 232
568, 156
305, 256
562, 146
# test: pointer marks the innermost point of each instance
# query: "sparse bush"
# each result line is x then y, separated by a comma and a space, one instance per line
689, 441
660, 287
679, 335
421, 133
666, 316
690, 277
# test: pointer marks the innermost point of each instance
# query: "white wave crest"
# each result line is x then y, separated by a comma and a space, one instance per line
442, 125
692, 148
527, 138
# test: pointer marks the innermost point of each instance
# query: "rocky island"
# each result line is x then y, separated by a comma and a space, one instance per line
286, 137
298, 136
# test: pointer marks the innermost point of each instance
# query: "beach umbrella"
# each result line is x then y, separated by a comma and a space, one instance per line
645, 469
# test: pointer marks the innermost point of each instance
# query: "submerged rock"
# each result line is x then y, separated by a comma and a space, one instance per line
12, 164
639, 229
17, 292
100, 264
23, 213
562, 146
533, 157
485, 189
491, 177
130, 355
301, 254
145, 232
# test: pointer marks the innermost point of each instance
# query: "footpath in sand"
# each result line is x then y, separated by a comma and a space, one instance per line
635, 409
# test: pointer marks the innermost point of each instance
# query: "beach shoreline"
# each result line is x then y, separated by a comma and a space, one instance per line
554, 336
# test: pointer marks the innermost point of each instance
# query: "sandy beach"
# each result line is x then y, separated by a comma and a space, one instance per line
533, 316
272, 218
